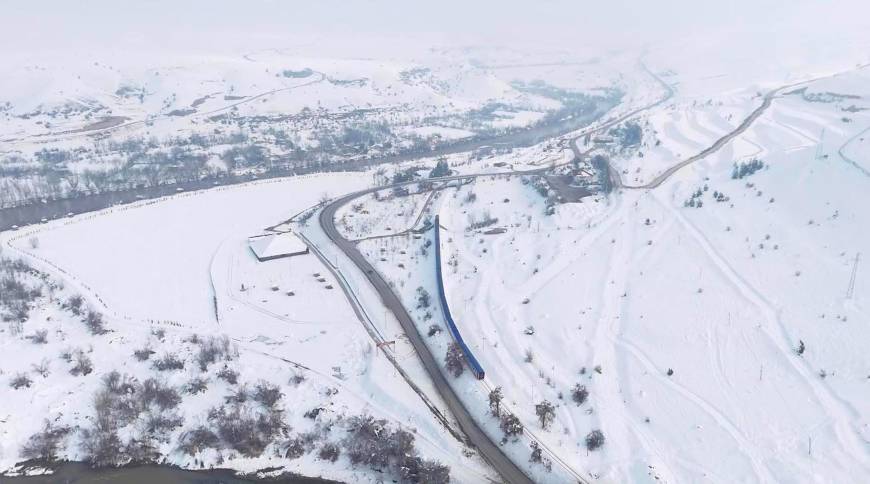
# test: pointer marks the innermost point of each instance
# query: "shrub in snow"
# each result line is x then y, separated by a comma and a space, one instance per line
267, 394
40, 337
41, 368
66, 355
142, 451
119, 385
100, 442
45, 444
295, 447
510, 425
168, 362
17, 297
196, 385
82, 364
143, 354
455, 360
537, 454
594, 440
246, 430
423, 299
240, 395
213, 349
160, 394
161, 423
579, 394
415, 469
20, 380
434, 329
94, 322
75, 305
371, 442
197, 440
329, 451
228, 375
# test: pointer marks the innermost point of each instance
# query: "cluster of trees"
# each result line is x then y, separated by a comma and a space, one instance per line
17, 297
629, 134
123, 401
371, 442
441, 169
744, 169
485, 221
512, 428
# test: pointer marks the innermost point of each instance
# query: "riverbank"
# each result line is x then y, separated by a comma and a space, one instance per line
81, 473
22, 215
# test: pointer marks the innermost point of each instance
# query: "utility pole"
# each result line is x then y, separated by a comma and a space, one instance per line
851, 290
821, 146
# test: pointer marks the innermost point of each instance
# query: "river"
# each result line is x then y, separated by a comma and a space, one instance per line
79, 473
53, 209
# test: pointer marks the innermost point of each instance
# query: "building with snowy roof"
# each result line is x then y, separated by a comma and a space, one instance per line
275, 246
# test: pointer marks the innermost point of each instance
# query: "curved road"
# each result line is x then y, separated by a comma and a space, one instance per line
488, 449
768, 100
753, 116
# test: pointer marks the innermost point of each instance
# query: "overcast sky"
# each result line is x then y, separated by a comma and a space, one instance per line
350, 26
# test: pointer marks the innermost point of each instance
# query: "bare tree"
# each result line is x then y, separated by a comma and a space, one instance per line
495, 398
546, 413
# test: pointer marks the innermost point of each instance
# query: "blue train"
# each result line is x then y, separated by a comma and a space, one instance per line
473, 364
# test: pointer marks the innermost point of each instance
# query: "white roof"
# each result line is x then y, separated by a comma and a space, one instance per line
276, 245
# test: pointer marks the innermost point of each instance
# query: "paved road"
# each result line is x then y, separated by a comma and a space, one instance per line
489, 450
768, 100
615, 179
753, 116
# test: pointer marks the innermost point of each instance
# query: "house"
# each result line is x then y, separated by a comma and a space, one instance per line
275, 246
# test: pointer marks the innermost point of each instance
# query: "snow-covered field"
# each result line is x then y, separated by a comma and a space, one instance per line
716, 321
153, 269
712, 328
686, 323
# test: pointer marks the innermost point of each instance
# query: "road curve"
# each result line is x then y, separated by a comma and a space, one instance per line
615, 179
488, 449
753, 116
768, 100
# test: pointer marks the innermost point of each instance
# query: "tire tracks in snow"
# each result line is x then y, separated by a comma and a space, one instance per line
778, 335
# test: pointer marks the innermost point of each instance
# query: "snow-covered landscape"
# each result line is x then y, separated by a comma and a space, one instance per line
367, 250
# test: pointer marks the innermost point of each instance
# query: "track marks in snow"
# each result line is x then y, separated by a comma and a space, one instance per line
845, 416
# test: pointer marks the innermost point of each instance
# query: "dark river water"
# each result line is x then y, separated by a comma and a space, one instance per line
53, 209
77, 473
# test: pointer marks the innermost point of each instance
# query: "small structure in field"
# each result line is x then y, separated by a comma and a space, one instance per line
275, 246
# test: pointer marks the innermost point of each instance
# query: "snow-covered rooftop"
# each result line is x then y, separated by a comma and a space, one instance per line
272, 246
